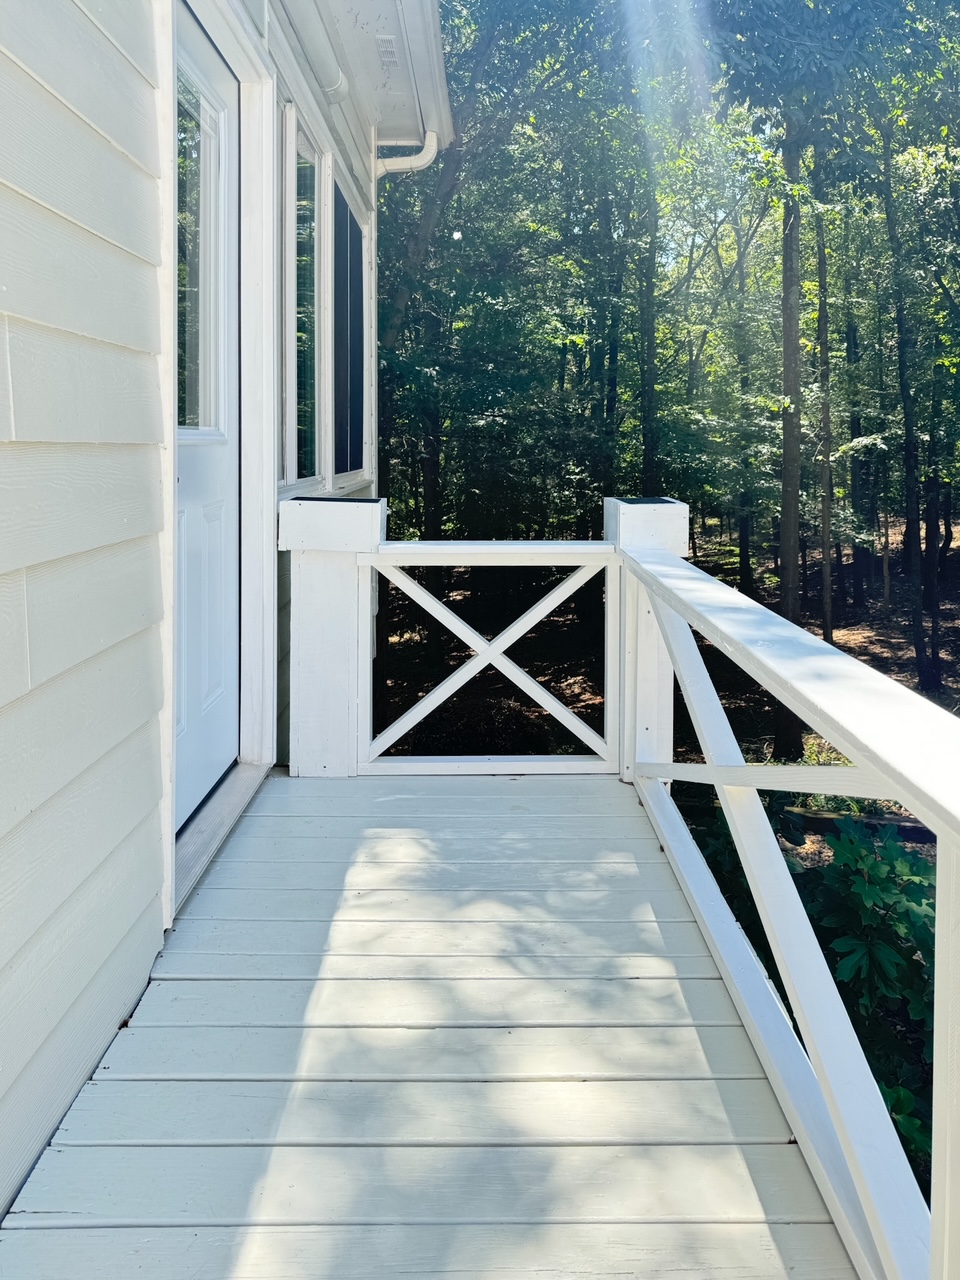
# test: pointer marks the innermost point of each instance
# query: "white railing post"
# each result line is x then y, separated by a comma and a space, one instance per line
325, 536
945, 1182
646, 674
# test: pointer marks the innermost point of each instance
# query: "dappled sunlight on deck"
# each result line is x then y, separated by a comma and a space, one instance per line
478, 1035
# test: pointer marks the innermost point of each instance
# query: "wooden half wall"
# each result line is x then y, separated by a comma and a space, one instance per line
81, 599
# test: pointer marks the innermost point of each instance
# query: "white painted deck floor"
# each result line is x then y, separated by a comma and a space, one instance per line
429, 1027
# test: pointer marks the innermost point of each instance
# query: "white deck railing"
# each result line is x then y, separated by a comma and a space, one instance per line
586, 560
901, 747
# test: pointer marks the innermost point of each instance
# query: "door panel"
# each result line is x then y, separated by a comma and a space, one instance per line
208, 504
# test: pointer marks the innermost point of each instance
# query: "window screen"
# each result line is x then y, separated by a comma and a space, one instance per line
348, 338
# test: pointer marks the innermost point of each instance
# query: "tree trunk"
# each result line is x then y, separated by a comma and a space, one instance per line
826, 432
858, 478
886, 539
931, 583
804, 573
792, 390
745, 567
650, 476
775, 545
946, 505
612, 385
931, 551
911, 446
931, 534
788, 731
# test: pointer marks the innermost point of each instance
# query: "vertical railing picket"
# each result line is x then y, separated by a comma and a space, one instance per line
945, 1182
613, 666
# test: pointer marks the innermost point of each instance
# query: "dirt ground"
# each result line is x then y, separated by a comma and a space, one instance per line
873, 633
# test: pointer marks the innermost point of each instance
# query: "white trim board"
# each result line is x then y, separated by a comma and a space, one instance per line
212, 823
242, 49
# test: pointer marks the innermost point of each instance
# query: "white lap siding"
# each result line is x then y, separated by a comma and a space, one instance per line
80, 577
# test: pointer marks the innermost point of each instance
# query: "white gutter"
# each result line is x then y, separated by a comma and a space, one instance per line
408, 164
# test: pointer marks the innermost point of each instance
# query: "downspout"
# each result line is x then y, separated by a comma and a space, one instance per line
339, 88
408, 164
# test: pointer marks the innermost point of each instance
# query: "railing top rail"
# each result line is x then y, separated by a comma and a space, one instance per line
876, 722
488, 553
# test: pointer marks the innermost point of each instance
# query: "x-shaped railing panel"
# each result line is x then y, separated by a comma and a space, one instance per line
488, 653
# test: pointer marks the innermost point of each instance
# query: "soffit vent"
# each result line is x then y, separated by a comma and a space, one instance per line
387, 50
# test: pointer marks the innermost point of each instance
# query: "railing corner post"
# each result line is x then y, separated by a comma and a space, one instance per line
646, 673
325, 537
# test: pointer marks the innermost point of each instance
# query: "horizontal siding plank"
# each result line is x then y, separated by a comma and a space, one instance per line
52, 735
53, 156
6, 393
58, 274
14, 666
376, 904
563, 1252
104, 1185
414, 845
70, 54
455, 1002
49, 855
74, 390
394, 810
129, 24
418, 1113
79, 606
454, 828
60, 501
514, 937
41, 982
461, 877
189, 965
33, 1103
437, 1053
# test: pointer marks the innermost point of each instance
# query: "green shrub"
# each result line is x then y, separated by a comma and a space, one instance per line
872, 909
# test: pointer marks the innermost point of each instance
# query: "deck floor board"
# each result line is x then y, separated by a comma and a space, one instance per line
443, 1026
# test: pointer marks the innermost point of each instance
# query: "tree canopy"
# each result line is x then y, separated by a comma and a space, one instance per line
709, 248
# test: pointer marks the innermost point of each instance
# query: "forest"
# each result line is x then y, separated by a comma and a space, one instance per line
707, 249
702, 248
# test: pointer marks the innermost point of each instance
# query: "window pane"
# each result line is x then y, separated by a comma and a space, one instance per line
189, 159
306, 317
348, 338
356, 345
341, 333
198, 233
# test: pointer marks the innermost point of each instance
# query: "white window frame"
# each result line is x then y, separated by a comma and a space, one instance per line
298, 118
297, 141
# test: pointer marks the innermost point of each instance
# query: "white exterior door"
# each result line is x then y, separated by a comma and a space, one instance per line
207, 639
